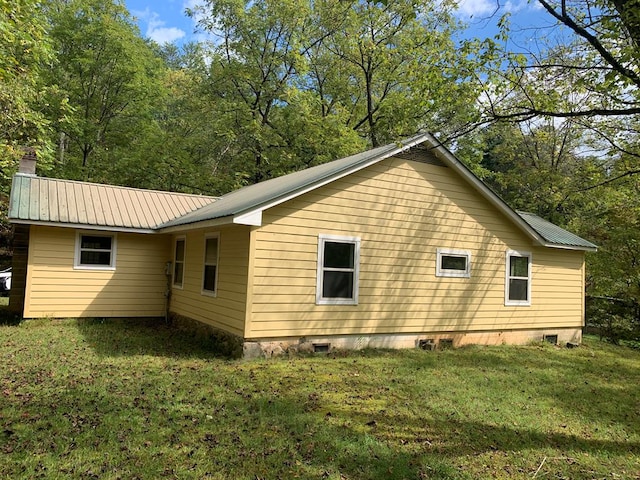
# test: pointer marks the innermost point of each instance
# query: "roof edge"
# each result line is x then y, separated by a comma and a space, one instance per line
301, 190
484, 190
83, 226
571, 247
214, 222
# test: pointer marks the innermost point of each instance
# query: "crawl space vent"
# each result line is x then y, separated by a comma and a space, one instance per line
427, 344
445, 344
321, 347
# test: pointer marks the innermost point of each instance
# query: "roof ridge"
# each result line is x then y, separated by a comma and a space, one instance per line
107, 185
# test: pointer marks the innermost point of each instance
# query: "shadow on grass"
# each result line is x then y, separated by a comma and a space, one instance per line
149, 336
581, 382
382, 446
8, 317
283, 436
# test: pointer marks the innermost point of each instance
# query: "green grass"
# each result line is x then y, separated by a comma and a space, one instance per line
122, 399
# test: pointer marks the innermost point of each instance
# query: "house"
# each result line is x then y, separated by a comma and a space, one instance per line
394, 247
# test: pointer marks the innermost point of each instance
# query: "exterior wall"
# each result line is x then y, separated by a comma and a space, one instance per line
403, 211
136, 288
227, 310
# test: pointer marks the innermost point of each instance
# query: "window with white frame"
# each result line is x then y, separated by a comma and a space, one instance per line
453, 263
95, 251
518, 278
178, 261
338, 270
210, 274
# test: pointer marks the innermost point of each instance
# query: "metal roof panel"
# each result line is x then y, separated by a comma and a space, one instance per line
554, 234
52, 200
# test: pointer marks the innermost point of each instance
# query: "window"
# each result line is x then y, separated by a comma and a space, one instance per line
95, 251
453, 263
338, 268
518, 279
178, 262
210, 275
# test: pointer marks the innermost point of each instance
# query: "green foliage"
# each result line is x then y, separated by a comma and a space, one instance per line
611, 216
108, 75
547, 170
24, 50
132, 399
613, 318
288, 78
536, 166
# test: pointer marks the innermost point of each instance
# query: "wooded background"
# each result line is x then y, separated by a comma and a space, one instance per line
285, 84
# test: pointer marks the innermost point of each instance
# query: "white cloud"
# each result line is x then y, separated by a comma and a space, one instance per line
474, 8
520, 5
156, 29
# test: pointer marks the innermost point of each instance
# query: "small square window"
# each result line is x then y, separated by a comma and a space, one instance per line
95, 251
453, 263
338, 268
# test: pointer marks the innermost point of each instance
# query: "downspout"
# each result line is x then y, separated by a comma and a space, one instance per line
167, 292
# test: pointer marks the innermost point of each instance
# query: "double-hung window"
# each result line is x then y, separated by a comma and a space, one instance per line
338, 270
518, 278
178, 262
453, 263
210, 274
95, 251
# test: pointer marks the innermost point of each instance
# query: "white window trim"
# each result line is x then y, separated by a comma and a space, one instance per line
210, 293
179, 286
444, 272
76, 259
320, 300
517, 303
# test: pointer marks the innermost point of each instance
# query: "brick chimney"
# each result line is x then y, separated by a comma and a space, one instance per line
28, 162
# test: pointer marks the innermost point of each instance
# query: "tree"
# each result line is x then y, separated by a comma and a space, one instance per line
24, 50
260, 50
181, 149
540, 167
396, 68
358, 71
591, 74
107, 74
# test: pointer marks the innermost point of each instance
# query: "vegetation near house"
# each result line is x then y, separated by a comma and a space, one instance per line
121, 399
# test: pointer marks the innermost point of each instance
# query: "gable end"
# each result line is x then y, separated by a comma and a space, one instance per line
421, 154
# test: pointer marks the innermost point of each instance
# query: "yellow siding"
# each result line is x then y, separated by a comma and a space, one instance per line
227, 310
403, 211
134, 289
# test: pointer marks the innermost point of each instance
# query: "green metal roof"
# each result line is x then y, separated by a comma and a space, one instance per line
258, 197
270, 191
36, 200
51, 200
554, 234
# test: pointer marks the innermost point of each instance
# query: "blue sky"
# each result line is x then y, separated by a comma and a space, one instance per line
165, 20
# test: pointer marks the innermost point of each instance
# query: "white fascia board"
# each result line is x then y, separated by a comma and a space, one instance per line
251, 216
82, 226
571, 247
216, 222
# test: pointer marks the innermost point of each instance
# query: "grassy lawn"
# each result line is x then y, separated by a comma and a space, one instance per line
116, 399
